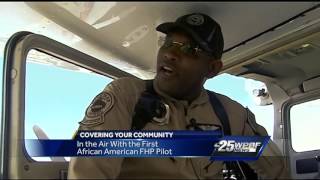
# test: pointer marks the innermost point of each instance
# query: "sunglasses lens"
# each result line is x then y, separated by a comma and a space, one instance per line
167, 43
187, 49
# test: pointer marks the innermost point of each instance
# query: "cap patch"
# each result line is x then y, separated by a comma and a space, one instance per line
195, 20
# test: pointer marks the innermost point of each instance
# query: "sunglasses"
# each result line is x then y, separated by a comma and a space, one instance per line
190, 49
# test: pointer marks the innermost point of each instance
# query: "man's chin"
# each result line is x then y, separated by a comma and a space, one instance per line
168, 87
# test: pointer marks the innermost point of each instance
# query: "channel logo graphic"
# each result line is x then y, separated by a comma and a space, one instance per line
233, 146
239, 147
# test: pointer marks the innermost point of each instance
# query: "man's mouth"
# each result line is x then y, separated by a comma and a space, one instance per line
169, 71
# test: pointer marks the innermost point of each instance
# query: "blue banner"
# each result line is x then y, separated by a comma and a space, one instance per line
151, 144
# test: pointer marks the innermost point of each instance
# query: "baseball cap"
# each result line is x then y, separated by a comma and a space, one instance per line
202, 28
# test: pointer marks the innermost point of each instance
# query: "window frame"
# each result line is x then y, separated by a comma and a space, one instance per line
294, 157
297, 101
13, 114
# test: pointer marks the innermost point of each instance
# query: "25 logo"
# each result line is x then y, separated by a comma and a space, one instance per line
224, 146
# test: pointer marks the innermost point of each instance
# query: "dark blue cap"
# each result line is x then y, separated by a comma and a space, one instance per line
202, 28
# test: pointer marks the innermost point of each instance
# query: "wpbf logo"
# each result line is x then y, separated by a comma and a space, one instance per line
233, 146
239, 147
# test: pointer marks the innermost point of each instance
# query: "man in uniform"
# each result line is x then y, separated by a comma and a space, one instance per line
190, 54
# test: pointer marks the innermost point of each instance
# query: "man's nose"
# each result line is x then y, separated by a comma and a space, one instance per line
172, 53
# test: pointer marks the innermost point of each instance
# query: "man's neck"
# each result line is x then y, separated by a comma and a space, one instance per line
188, 98
191, 97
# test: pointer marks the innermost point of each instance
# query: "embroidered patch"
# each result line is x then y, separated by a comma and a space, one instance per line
195, 20
100, 105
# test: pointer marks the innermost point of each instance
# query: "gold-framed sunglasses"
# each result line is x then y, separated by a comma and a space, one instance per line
186, 48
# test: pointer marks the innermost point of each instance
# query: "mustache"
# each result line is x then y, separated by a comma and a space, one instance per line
168, 63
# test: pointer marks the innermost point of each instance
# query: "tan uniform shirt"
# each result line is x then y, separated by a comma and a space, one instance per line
122, 96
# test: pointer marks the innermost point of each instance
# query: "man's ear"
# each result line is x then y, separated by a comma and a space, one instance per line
215, 67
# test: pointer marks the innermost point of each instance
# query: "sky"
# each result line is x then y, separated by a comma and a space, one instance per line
57, 98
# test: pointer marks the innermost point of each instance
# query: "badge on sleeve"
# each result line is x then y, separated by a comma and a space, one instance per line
100, 105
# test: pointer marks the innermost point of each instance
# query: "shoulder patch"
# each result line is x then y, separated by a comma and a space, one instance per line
100, 105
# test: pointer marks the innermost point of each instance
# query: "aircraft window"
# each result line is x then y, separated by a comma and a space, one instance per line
249, 93
304, 121
56, 97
